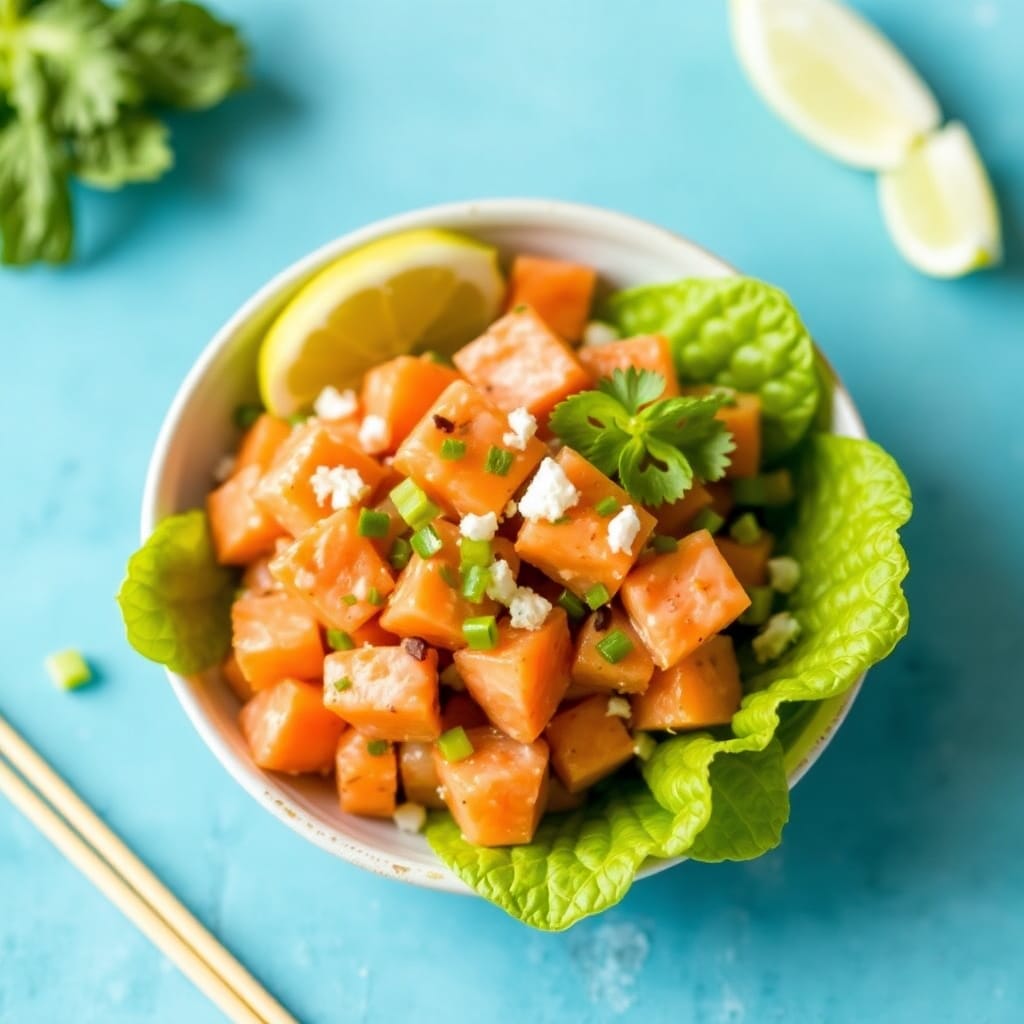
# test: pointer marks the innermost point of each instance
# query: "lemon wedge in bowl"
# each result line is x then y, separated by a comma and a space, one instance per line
412, 292
940, 207
834, 78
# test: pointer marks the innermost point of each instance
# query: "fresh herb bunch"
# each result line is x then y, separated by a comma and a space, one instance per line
78, 79
656, 446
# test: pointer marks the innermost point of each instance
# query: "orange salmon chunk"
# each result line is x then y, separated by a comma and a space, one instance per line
700, 691
674, 516
743, 421
338, 572
678, 600
587, 743
241, 528
591, 670
385, 692
644, 352
521, 363
748, 561
262, 442
497, 794
560, 292
275, 636
367, 780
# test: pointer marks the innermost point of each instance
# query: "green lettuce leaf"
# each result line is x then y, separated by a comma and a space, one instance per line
176, 599
726, 797
737, 332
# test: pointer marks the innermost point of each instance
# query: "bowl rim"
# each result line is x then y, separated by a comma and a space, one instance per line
459, 215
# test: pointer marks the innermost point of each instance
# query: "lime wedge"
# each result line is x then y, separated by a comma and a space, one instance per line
940, 207
412, 292
834, 78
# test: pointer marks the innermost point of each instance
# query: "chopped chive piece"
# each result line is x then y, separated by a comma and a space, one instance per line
475, 583
614, 647
708, 519
596, 596
499, 461
413, 504
481, 633
339, 640
562, 520
374, 597
745, 530
350, 599
664, 545
475, 552
67, 669
450, 677
452, 450
344, 683
433, 356
377, 747
426, 542
607, 507
573, 606
455, 745
449, 577
768, 489
373, 524
760, 606
298, 418
643, 745
520, 307
400, 553
247, 414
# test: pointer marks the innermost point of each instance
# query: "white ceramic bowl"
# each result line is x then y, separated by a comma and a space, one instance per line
198, 430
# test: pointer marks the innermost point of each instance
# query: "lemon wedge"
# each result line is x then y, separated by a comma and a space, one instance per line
834, 78
940, 207
411, 292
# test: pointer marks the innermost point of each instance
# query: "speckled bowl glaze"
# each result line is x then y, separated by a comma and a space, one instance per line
197, 431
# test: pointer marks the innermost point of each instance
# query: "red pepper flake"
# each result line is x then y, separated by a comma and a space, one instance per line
443, 424
416, 647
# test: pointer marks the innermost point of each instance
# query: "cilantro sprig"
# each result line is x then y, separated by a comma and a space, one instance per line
77, 81
655, 446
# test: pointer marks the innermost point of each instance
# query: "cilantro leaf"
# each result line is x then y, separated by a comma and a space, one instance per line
654, 472
594, 424
689, 424
134, 149
632, 388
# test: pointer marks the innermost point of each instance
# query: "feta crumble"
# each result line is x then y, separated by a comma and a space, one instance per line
778, 633
502, 587
618, 707
410, 817
332, 404
522, 426
374, 435
783, 574
528, 609
339, 487
475, 527
622, 530
597, 332
224, 469
550, 494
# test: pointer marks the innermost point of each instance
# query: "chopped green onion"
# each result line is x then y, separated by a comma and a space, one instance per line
746, 529
783, 574
426, 542
607, 507
481, 633
760, 606
475, 552
562, 520
573, 606
247, 414
400, 553
768, 489
449, 576
350, 599
298, 418
452, 450
708, 519
433, 356
343, 684
643, 745
413, 504
374, 597
614, 646
450, 677
475, 583
596, 596
664, 545
499, 461
455, 745
377, 747
67, 669
339, 640
776, 635
373, 524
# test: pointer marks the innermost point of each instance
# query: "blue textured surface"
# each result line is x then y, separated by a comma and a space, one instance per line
899, 891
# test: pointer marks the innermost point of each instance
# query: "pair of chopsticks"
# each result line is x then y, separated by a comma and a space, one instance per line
74, 828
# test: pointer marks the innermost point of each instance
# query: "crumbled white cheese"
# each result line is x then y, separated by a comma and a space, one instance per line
550, 494
475, 527
374, 434
521, 427
643, 745
502, 587
528, 610
778, 633
442, 793
597, 332
332, 404
783, 574
338, 486
510, 509
225, 468
618, 707
622, 530
410, 817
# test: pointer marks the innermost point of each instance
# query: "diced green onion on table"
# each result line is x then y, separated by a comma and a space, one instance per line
376, 748
480, 633
343, 684
426, 542
746, 529
373, 523
68, 669
606, 507
499, 461
455, 745
400, 553
475, 582
663, 545
573, 606
475, 552
452, 450
596, 596
339, 640
708, 519
413, 504
768, 489
614, 647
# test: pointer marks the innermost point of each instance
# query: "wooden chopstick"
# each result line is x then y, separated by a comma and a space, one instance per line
105, 860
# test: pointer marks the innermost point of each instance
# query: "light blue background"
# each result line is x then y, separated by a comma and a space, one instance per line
899, 891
